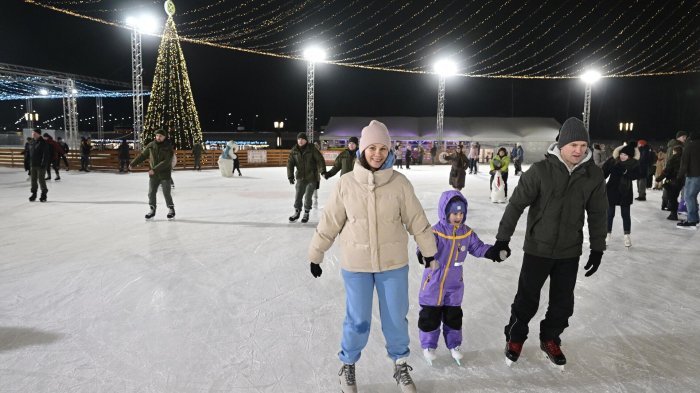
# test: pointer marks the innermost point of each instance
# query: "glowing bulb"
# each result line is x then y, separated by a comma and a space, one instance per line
445, 67
591, 76
314, 54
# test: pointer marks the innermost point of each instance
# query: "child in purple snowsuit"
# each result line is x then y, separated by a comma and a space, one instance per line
442, 286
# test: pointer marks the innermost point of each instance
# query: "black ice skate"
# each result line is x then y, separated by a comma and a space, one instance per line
512, 352
171, 213
305, 219
32, 197
295, 216
42, 198
553, 352
151, 213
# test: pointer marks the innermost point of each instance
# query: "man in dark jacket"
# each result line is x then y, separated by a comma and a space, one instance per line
345, 160
66, 149
644, 166
160, 156
124, 156
672, 183
558, 190
27, 167
85, 148
309, 164
433, 153
197, 154
690, 170
39, 160
517, 155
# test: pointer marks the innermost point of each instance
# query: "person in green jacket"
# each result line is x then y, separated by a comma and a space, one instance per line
561, 191
345, 160
500, 163
309, 163
160, 156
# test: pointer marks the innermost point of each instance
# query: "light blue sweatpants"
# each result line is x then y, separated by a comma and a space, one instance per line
392, 292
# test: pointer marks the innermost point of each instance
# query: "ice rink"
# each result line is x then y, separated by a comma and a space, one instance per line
95, 299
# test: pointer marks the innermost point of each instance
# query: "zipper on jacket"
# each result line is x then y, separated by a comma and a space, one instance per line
447, 267
427, 280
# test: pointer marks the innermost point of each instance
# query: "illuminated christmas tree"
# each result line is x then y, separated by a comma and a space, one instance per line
171, 106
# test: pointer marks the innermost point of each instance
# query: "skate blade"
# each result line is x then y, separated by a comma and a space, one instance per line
509, 362
559, 367
459, 362
430, 362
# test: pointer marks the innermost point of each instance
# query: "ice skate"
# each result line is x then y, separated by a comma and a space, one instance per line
295, 216
171, 213
305, 219
32, 197
151, 213
346, 377
42, 197
552, 351
402, 377
457, 355
512, 352
687, 225
429, 354
628, 241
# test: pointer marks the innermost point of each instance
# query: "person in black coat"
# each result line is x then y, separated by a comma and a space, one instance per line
27, 167
645, 156
620, 172
39, 160
458, 172
672, 184
124, 156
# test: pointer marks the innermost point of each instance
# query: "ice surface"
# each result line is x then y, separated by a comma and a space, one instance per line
95, 299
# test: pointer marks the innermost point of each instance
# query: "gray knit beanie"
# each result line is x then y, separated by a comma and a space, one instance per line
571, 131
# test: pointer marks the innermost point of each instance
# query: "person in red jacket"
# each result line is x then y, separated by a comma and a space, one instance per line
56, 153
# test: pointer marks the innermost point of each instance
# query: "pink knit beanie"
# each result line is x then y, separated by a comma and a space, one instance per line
375, 132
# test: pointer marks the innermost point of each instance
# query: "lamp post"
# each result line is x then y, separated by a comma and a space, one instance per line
279, 125
311, 55
443, 68
143, 24
589, 77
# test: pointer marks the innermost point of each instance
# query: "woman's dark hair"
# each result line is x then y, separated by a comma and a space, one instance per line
503, 149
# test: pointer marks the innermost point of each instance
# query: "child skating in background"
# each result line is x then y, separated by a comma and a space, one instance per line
442, 286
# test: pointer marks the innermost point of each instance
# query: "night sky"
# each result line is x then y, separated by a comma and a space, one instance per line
245, 85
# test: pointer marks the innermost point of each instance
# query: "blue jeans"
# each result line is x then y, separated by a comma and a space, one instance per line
690, 193
392, 293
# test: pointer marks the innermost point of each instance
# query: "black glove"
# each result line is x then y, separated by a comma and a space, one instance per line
316, 270
493, 254
593, 262
291, 180
424, 260
501, 245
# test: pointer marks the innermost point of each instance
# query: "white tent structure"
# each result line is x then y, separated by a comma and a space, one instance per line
534, 133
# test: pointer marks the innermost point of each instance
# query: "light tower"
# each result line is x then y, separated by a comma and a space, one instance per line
311, 55
443, 68
589, 77
142, 24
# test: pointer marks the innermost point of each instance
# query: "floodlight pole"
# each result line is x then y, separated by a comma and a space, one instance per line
137, 85
30, 119
310, 100
587, 106
70, 112
99, 119
441, 110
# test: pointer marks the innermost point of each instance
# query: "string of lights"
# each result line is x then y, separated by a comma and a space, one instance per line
422, 60
21, 88
495, 39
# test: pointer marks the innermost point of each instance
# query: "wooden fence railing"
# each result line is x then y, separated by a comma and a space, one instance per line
108, 160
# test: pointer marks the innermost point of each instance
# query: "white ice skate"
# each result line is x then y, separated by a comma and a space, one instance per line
498, 191
457, 355
429, 354
628, 241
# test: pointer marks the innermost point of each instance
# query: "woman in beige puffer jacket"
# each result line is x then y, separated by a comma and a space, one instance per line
372, 210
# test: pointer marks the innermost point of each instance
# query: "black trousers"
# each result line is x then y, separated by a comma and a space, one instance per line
533, 273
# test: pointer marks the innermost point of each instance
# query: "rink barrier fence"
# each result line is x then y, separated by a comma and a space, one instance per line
108, 160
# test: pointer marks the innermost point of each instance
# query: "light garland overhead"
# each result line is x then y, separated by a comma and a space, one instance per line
22, 88
487, 38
